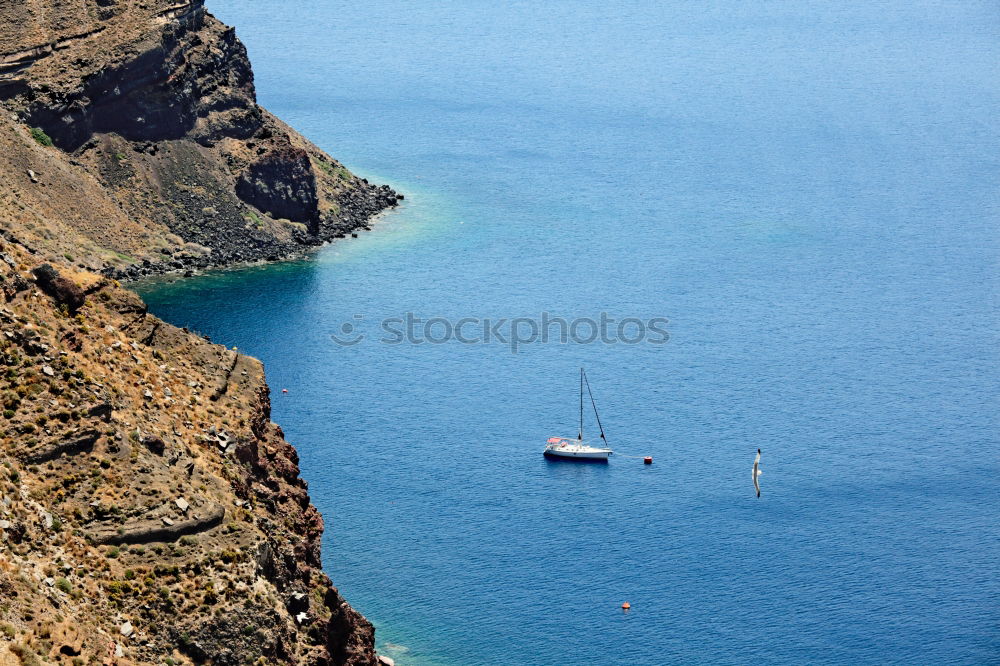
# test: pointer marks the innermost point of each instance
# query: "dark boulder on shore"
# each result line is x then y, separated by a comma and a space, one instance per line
281, 183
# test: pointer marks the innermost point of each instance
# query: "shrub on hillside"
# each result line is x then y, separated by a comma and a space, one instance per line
40, 136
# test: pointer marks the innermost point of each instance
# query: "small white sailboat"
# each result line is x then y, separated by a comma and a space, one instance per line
577, 449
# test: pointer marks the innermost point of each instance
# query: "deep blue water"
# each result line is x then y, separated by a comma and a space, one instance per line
807, 190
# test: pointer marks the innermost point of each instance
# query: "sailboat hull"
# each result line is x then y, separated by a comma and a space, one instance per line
582, 457
566, 451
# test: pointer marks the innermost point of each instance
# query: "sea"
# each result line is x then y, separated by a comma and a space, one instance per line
765, 225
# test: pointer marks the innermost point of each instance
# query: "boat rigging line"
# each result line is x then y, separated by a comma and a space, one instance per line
583, 377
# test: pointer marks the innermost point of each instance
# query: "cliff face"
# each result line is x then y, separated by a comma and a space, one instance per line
142, 482
149, 508
151, 106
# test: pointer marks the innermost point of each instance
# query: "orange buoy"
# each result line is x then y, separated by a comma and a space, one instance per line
626, 606
648, 460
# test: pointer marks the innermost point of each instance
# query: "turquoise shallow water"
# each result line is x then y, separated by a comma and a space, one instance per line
808, 191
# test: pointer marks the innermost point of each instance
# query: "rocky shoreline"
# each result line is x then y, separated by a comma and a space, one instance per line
357, 217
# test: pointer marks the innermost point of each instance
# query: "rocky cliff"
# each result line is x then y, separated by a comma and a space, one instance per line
148, 505
150, 511
132, 142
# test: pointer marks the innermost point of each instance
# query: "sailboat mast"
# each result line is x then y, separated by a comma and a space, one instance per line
594, 404
580, 435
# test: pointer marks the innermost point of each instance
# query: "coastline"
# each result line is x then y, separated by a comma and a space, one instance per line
422, 215
381, 199
137, 149
168, 273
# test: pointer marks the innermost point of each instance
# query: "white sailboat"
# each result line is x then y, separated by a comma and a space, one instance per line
577, 449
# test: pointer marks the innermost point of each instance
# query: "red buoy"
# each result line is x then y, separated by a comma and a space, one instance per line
648, 460
284, 390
